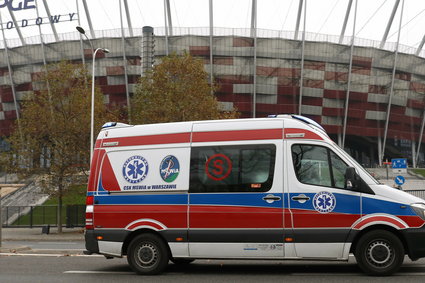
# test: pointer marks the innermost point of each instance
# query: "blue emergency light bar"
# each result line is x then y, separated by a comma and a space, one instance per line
301, 118
109, 124
308, 121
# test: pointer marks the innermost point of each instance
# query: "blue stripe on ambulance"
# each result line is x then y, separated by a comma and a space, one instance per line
165, 199
344, 203
235, 199
371, 205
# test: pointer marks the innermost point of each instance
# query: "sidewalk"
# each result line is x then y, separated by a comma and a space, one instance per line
9, 235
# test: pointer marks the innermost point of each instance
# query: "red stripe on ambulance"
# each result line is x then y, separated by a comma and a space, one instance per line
241, 135
120, 216
146, 223
295, 133
213, 136
148, 140
412, 221
380, 219
314, 219
94, 175
209, 216
109, 181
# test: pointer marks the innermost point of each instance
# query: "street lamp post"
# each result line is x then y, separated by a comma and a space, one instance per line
1, 219
104, 50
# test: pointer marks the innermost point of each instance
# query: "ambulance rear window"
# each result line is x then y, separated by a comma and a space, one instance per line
246, 168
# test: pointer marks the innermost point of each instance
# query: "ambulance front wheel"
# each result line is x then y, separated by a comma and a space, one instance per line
379, 253
147, 254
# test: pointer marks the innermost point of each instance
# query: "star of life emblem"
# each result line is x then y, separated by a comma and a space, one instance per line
324, 202
135, 169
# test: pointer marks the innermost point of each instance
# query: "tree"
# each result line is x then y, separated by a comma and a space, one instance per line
176, 90
53, 133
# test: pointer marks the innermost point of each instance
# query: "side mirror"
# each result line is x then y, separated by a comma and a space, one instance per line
351, 178
355, 183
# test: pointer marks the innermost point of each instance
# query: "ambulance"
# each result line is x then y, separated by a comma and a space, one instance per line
266, 188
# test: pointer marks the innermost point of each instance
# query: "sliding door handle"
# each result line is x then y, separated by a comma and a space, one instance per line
302, 198
271, 198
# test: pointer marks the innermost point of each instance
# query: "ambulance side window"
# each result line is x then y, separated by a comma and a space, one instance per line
318, 165
247, 168
338, 170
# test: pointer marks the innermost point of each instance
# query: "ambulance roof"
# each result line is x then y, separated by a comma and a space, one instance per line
291, 121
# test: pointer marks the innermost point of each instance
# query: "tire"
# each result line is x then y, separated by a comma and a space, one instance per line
182, 261
147, 254
379, 253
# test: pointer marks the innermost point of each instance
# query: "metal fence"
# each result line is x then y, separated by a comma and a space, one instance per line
39, 216
75, 216
217, 31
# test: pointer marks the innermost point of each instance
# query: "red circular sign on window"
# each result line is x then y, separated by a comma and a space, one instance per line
218, 167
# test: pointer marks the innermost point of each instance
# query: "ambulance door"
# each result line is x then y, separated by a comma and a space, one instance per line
236, 201
323, 210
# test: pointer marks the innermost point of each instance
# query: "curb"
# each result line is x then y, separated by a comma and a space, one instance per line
35, 234
420, 177
23, 250
13, 249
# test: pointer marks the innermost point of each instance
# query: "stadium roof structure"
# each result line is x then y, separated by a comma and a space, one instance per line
374, 23
355, 66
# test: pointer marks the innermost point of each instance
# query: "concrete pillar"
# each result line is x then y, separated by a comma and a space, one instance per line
211, 42
380, 157
372, 156
124, 57
254, 93
413, 154
147, 49
339, 137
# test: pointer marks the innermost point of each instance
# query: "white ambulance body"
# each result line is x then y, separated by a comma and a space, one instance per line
269, 188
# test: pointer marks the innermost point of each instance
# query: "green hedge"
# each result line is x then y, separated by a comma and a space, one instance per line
419, 172
76, 194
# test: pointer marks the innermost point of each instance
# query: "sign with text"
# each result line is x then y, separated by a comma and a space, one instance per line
17, 5
21, 5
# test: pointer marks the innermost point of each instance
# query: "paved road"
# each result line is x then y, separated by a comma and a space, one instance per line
77, 268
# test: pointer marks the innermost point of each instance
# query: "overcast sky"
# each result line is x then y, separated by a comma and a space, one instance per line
323, 16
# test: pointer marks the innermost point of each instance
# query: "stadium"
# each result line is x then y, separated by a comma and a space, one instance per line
369, 94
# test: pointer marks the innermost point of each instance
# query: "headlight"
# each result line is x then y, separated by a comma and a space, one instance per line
419, 208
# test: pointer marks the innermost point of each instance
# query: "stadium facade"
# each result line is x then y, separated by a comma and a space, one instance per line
261, 74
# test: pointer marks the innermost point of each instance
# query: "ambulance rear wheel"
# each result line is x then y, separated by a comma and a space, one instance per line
147, 254
379, 253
